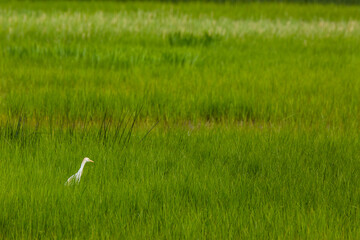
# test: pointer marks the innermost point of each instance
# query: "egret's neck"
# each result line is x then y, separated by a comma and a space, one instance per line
82, 166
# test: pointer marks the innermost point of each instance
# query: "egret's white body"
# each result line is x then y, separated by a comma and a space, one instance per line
77, 176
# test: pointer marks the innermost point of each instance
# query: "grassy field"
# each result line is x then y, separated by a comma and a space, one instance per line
205, 121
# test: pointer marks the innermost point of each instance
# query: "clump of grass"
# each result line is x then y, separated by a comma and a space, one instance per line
180, 39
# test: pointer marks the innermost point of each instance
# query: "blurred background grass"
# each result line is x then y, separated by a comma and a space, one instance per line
180, 62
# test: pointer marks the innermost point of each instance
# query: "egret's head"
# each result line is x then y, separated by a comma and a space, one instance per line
88, 160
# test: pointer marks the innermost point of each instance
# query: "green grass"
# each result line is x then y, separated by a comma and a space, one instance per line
235, 183
181, 66
256, 109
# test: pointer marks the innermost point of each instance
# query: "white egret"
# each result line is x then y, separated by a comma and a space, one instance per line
77, 176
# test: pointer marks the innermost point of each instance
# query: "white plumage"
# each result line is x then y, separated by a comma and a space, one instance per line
77, 176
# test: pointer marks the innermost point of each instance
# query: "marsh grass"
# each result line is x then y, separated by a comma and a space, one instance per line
215, 183
205, 121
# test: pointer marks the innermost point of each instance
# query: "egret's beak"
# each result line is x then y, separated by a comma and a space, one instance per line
91, 160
